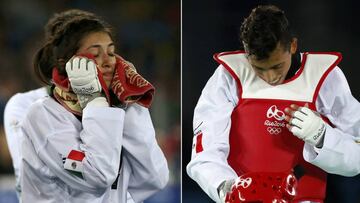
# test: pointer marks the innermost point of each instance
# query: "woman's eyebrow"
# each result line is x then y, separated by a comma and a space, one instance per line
98, 45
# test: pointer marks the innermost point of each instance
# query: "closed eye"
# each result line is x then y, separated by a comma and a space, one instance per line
275, 67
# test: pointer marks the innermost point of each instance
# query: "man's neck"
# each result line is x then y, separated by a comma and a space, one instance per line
295, 65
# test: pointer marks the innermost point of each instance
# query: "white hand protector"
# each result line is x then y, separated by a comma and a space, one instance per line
307, 126
84, 81
224, 188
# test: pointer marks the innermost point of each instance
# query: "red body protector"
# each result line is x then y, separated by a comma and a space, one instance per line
259, 140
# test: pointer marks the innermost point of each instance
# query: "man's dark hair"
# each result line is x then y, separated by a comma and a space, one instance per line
263, 29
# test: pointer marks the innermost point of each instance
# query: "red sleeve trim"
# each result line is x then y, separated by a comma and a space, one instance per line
227, 67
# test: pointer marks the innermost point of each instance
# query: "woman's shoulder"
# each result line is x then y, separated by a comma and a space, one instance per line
47, 107
46, 114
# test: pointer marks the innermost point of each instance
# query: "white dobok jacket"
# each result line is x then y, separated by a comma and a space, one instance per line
111, 156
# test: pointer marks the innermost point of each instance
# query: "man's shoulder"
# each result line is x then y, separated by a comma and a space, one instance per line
336, 56
326, 60
226, 55
321, 52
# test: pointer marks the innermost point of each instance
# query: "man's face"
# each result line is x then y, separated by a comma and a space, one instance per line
274, 69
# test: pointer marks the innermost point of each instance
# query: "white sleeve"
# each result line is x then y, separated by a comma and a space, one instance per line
13, 115
53, 134
150, 171
340, 153
15, 111
212, 120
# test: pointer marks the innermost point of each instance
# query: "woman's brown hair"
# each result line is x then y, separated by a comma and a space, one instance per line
63, 35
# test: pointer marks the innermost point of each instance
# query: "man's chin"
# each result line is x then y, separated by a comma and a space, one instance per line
278, 82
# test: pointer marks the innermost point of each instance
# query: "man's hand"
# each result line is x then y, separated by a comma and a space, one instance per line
305, 124
224, 188
84, 81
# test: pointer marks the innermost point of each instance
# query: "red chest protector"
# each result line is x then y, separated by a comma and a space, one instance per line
259, 140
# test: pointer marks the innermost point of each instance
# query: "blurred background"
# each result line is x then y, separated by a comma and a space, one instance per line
212, 26
147, 34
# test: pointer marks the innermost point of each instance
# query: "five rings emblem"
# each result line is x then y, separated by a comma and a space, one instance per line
273, 130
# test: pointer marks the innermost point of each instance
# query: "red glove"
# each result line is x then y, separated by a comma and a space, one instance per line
265, 187
130, 87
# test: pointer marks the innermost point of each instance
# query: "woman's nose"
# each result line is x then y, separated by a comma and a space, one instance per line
105, 62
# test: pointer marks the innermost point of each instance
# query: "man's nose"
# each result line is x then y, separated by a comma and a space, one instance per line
270, 76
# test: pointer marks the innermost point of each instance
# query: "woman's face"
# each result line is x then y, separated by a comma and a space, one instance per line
102, 47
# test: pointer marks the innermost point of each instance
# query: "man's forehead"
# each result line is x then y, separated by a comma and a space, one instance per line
275, 57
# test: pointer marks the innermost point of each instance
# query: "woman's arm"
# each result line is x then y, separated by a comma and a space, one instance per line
150, 171
56, 135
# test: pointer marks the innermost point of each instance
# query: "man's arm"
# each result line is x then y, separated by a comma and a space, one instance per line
212, 122
340, 153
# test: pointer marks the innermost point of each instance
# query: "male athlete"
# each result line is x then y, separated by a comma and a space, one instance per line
270, 109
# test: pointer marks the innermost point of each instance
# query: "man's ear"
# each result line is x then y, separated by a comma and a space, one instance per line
293, 46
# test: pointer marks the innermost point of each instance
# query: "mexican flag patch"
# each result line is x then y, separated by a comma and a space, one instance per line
73, 163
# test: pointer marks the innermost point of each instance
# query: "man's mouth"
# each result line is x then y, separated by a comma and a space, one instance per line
275, 82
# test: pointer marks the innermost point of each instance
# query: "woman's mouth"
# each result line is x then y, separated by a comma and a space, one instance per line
107, 76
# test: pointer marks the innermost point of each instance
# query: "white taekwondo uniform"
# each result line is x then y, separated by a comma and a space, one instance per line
50, 133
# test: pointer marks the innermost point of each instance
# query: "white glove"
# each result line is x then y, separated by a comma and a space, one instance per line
84, 81
224, 188
307, 125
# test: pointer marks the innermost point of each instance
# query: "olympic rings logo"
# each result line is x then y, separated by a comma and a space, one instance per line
274, 112
273, 130
243, 182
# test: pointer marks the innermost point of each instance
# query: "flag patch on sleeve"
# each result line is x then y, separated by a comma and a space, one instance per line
73, 163
198, 145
